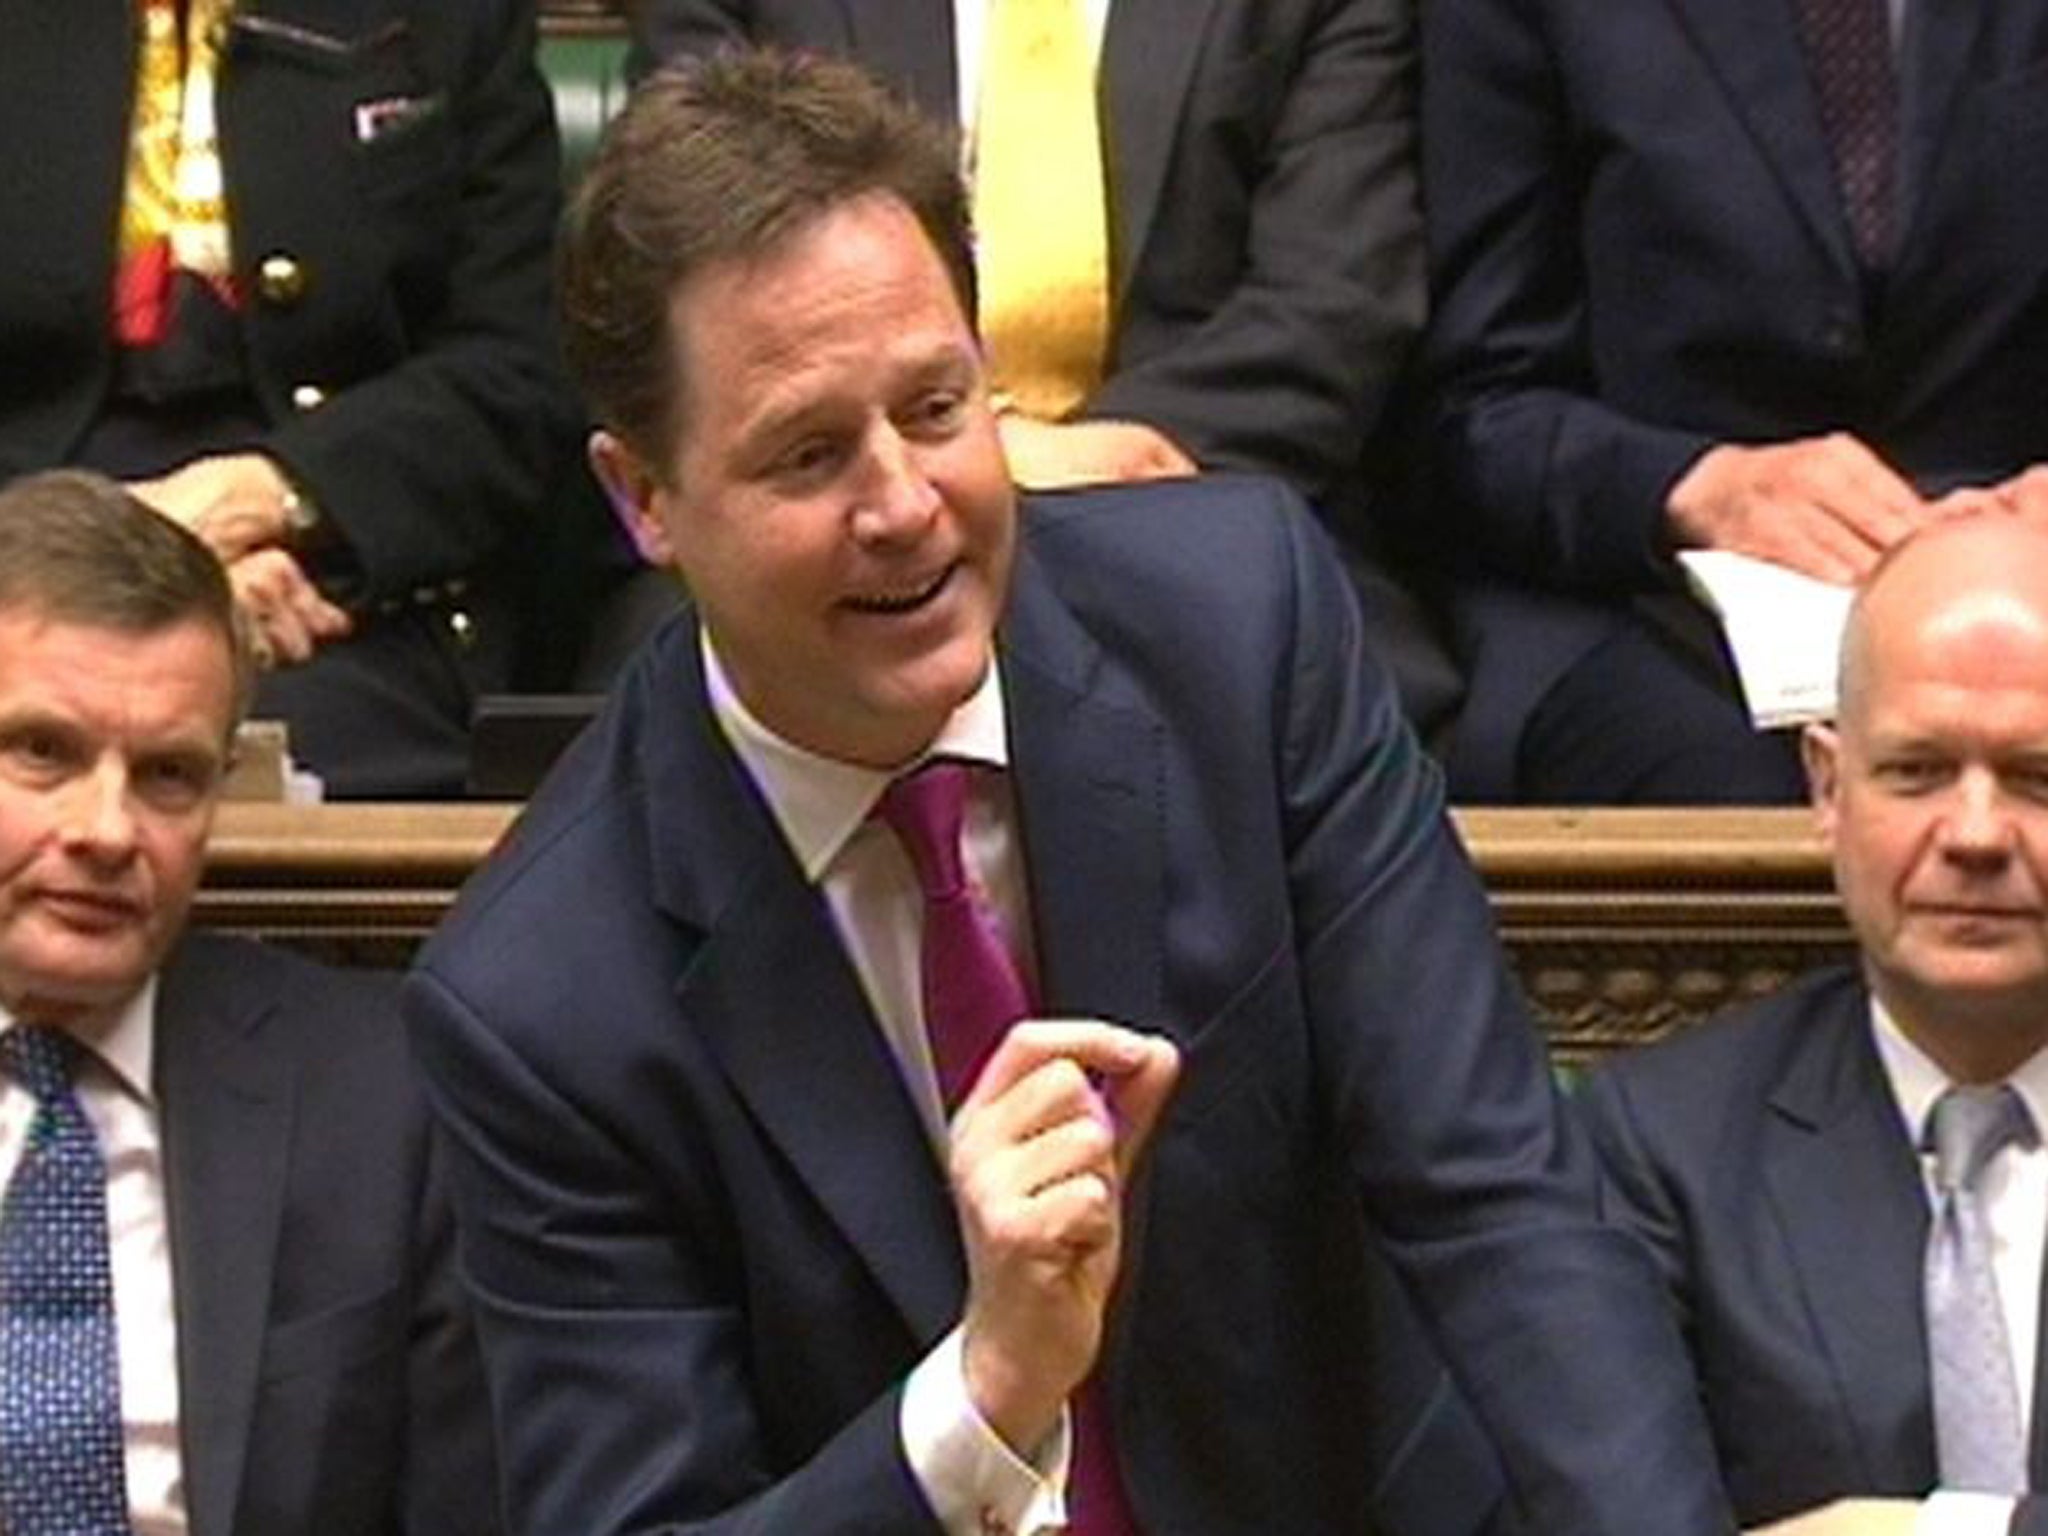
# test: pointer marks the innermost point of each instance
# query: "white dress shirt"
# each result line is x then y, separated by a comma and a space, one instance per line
975, 1484
2014, 1190
114, 1087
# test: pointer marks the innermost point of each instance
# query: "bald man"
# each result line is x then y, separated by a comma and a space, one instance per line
1771, 1159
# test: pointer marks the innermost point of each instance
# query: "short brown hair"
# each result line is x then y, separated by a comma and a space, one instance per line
79, 548
725, 159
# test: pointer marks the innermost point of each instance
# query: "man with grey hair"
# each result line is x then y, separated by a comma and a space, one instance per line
227, 1300
1844, 1184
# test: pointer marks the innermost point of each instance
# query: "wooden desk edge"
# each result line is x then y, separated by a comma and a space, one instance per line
1621, 923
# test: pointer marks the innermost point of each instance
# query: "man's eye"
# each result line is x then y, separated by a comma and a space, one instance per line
35, 749
174, 783
938, 411
1912, 773
810, 459
2029, 781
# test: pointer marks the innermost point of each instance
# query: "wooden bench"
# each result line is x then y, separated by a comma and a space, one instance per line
1621, 923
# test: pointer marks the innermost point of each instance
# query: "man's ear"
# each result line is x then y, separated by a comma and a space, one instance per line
1820, 749
634, 493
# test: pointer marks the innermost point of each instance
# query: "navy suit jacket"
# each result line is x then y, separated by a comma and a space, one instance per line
409, 383
708, 1235
1265, 242
328, 1375
1638, 249
1763, 1160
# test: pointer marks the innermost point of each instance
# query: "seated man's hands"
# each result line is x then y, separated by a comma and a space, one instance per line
1052, 455
239, 505
289, 616
1040, 1158
236, 502
1825, 506
1849, 1517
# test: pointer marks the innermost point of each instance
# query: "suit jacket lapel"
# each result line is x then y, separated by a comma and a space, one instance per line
1754, 48
1088, 775
1848, 1190
226, 1093
1148, 56
910, 43
1935, 61
767, 983
1089, 769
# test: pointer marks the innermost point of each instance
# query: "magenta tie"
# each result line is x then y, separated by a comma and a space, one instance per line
972, 992
972, 995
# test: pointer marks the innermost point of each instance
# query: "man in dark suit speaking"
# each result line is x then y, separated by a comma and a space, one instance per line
939, 1052
1845, 1184
228, 1304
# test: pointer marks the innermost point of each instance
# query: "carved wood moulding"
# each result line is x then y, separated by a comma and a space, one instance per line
1622, 924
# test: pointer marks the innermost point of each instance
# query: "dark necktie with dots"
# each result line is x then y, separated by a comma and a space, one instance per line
60, 1383
1848, 46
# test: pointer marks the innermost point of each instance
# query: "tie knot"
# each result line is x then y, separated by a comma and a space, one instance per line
1969, 1126
925, 810
40, 1059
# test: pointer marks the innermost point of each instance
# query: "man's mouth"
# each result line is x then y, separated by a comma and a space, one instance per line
901, 600
92, 909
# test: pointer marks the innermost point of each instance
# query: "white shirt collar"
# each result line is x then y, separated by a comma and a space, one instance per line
820, 802
125, 1043
1917, 1082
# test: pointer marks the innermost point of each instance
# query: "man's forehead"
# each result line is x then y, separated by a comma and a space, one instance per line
48, 660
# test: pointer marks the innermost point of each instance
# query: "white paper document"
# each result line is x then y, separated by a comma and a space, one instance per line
1784, 630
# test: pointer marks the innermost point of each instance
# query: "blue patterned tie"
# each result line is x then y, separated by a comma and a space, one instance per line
1977, 1433
60, 1383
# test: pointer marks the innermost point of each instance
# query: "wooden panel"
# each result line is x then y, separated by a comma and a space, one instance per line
1622, 924
582, 17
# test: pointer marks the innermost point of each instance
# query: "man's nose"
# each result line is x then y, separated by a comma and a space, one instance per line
99, 818
896, 496
1978, 825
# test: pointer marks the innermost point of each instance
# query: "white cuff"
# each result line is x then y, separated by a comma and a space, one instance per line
1955, 1513
974, 1482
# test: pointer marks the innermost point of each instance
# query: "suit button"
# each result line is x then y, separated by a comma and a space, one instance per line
308, 397
281, 279
1841, 333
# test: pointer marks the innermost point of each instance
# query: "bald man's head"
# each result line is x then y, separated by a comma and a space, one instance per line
1947, 577
1932, 792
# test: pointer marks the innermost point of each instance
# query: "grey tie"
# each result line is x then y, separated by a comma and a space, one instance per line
1976, 1401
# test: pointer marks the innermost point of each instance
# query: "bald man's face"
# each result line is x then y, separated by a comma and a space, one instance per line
1933, 796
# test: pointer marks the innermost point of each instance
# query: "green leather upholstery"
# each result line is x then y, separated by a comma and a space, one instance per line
587, 71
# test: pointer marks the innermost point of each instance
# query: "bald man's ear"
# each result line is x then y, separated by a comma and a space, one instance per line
636, 496
1820, 749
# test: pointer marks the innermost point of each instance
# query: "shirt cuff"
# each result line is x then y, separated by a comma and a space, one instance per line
1954, 1513
976, 1485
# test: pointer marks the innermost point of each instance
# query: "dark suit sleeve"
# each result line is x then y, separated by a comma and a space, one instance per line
1438, 1091
614, 1337
429, 465
451, 1474
1290, 370
1633, 1195
1533, 474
